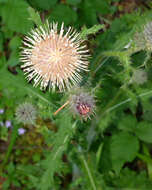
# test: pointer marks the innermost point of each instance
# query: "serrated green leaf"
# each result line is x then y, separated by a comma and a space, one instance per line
144, 131
123, 148
53, 162
15, 15
87, 31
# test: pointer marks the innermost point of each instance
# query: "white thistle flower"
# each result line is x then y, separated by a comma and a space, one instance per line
26, 113
54, 58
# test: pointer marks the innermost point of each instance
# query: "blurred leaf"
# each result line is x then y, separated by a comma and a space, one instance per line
1, 41
10, 168
34, 16
6, 185
89, 13
45, 5
15, 15
63, 13
123, 148
15, 43
73, 2
130, 180
144, 131
3, 1
127, 123
91, 8
102, 7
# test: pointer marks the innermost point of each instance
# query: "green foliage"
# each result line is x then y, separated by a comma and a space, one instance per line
35, 17
143, 131
112, 150
122, 151
132, 180
45, 5
15, 15
60, 141
73, 2
60, 13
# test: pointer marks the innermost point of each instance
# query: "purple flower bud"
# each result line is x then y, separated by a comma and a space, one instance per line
1, 111
21, 131
8, 124
82, 104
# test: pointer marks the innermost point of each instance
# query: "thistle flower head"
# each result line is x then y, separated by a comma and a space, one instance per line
139, 76
54, 58
148, 35
143, 39
26, 113
82, 104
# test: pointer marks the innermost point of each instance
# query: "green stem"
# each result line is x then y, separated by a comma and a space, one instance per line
108, 108
111, 103
10, 147
88, 171
40, 96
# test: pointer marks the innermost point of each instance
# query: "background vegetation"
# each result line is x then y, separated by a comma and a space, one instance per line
112, 151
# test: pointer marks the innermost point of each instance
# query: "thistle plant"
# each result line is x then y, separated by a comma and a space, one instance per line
112, 150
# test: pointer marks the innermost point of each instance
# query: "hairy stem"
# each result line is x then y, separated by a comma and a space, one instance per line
88, 171
66, 103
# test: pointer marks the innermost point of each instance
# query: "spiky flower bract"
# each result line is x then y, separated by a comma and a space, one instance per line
139, 76
148, 35
54, 58
143, 39
82, 104
26, 113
